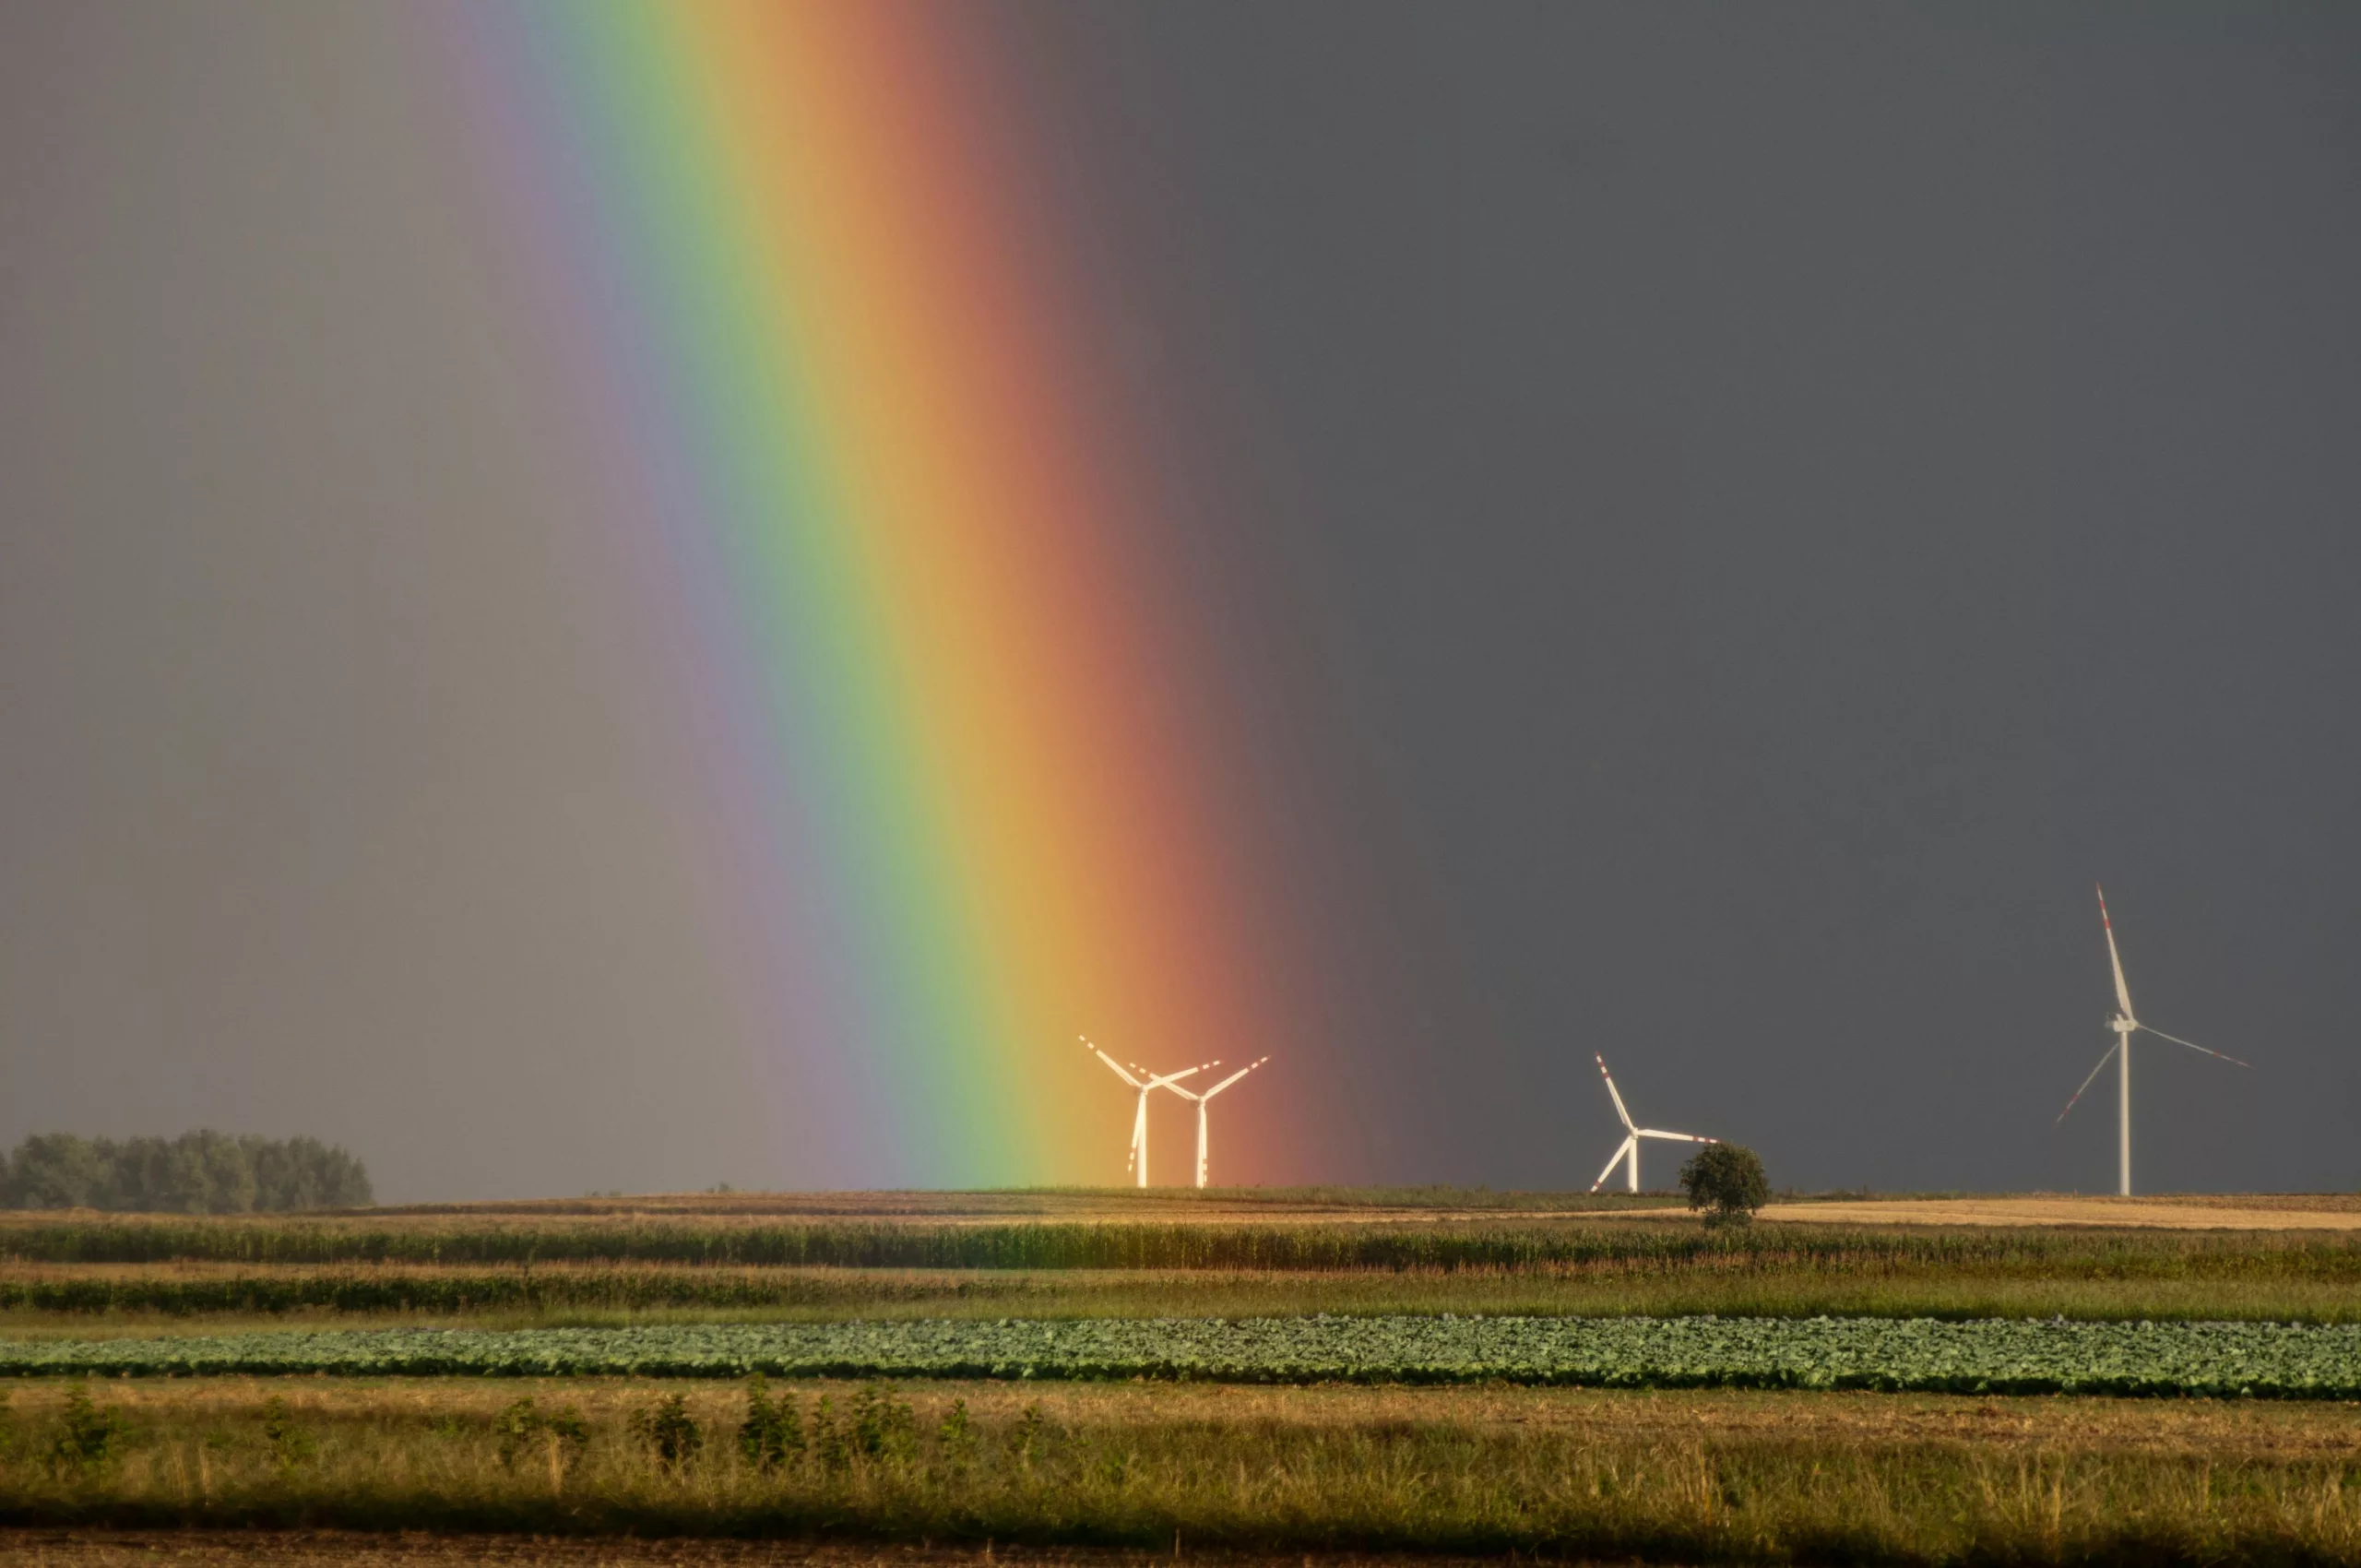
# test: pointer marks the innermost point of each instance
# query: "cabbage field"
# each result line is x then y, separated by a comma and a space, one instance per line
2274, 1360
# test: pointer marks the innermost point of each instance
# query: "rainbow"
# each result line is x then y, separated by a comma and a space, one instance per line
965, 786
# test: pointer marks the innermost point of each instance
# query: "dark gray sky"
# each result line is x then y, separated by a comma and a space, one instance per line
1731, 518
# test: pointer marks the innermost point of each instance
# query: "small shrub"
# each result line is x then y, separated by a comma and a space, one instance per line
668, 1431
567, 1428
1728, 1181
773, 1430
884, 1427
515, 1427
831, 1442
289, 1445
524, 1429
87, 1437
1025, 1440
957, 1435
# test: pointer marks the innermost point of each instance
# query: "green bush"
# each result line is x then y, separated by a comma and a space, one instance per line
87, 1439
667, 1430
524, 1427
831, 1442
957, 1436
884, 1427
772, 1431
1728, 1181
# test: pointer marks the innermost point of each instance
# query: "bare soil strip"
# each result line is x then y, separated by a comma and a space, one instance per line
253, 1548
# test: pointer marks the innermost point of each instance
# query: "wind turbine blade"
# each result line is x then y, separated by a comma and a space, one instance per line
1110, 1061
2122, 992
1674, 1137
1166, 1080
1620, 1150
1611, 1091
2194, 1046
2095, 1073
1226, 1082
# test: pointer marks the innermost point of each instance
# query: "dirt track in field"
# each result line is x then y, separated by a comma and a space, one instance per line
252, 1548
255, 1548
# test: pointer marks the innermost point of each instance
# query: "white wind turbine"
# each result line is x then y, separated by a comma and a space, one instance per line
1148, 1084
2125, 1025
1201, 1099
1627, 1152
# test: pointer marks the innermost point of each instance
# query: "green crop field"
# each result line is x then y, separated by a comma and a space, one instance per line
1988, 1356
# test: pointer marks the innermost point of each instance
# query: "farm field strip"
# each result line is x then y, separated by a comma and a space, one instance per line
1984, 1357
1501, 1244
2256, 1214
66, 1301
1700, 1476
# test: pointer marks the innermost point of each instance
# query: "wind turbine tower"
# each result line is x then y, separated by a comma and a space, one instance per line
1148, 1084
1201, 1099
1627, 1153
2125, 1025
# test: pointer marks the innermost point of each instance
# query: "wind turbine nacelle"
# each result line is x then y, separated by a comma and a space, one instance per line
2122, 1025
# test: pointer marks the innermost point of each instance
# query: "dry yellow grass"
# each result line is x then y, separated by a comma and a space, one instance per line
2226, 1431
2276, 1211
1726, 1476
2257, 1211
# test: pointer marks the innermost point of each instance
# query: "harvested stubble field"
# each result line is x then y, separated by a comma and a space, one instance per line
1692, 1476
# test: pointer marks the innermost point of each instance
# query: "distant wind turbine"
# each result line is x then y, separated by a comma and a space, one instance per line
1627, 1152
1201, 1099
1148, 1084
2125, 1025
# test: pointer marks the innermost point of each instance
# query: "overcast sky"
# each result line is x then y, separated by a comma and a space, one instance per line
1729, 519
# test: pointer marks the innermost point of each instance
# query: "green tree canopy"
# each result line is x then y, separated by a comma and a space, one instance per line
199, 1173
1726, 1178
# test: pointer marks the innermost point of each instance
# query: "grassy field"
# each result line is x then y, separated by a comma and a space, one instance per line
1693, 1477
1697, 1478
41, 1300
81, 1275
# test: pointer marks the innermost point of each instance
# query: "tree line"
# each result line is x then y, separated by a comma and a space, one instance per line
199, 1173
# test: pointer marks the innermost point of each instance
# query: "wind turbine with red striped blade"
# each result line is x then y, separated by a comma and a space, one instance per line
1627, 1153
1147, 1082
2125, 1025
1201, 1099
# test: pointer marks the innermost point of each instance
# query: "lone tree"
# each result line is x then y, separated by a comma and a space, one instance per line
1728, 1180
